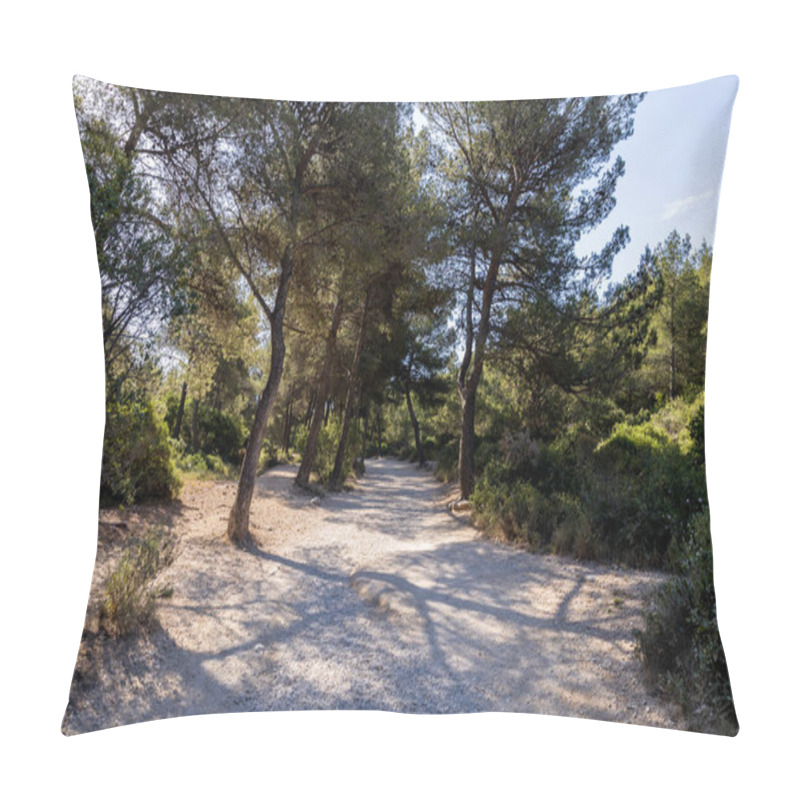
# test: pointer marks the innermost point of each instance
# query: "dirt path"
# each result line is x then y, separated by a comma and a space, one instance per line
376, 598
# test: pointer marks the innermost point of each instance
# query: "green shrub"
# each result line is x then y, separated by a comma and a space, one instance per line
129, 598
487, 452
218, 433
697, 434
641, 490
562, 464
137, 459
200, 467
269, 457
446, 460
221, 434
516, 509
404, 451
681, 647
573, 533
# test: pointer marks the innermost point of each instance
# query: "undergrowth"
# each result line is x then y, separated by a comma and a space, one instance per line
129, 599
680, 645
197, 466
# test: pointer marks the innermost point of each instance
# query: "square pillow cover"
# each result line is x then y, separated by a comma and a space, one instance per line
404, 407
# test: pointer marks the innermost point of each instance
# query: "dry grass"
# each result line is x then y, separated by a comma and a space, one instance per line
130, 594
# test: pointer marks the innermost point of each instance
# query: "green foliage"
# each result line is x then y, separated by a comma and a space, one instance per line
515, 507
216, 432
137, 459
641, 491
269, 455
627, 498
200, 466
697, 436
675, 363
221, 434
573, 532
446, 458
681, 646
129, 598
141, 259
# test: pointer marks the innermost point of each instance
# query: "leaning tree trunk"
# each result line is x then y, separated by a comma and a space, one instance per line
239, 520
304, 473
466, 449
469, 375
338, 466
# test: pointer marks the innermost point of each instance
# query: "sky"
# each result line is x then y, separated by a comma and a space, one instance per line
673, 169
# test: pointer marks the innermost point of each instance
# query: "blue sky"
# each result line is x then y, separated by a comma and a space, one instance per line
673, 169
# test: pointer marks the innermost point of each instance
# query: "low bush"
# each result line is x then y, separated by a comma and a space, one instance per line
680, 645
446, 458
628, 498
129, 598
404, 452
573, 533
269, 457
137, 459
516, 508
216, 432
201, 467
221, 434
641, 490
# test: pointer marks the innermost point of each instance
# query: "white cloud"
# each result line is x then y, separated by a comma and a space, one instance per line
678, 206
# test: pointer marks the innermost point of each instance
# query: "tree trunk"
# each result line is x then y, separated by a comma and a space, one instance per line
380, 432
176, 432
336, 475
195, 431
415, 425
469, 375
304, 473
466, 445
364, 437
239, 520
287, 428
310, 409
466, 449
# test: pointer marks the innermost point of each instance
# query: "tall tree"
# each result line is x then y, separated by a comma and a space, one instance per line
256, 183
680, 321
426, 341
141, 254
517, 168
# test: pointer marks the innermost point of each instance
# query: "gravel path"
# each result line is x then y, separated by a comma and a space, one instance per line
376, 598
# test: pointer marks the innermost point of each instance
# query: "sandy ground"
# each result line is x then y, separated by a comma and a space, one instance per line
375, 598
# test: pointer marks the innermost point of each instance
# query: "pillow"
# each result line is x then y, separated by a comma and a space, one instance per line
404, 407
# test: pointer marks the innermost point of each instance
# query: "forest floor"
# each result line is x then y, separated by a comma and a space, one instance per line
374, 598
